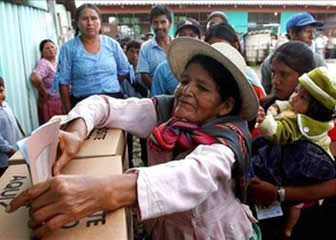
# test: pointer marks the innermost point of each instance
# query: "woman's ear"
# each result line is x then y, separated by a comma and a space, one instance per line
291, 34
226, 107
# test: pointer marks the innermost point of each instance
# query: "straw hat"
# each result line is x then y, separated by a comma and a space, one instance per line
181, 50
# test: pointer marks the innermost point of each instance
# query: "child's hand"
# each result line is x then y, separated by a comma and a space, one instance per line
261, 115
274, 109
11, 152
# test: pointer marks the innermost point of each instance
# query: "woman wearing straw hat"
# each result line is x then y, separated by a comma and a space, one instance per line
198, 144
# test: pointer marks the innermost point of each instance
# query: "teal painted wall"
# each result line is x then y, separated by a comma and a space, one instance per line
22, 29
283, 20
238, 20
172, 26
0, 68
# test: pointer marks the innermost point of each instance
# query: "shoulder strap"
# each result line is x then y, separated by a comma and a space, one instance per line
243, 156
164, 107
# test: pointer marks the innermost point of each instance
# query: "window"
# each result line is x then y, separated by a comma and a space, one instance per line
258, 21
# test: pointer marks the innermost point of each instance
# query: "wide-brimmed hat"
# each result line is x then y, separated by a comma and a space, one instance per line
301, 20
321, 85
181, 50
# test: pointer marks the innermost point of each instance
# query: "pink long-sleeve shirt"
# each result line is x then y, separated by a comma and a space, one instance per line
189, 198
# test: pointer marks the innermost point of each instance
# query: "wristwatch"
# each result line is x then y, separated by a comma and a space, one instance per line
281, 194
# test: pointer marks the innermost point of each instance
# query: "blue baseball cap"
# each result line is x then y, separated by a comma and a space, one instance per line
301, 20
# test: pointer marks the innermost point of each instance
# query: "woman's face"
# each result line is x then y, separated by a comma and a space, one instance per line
214, 20
89, 22
197, 98
49, 50
284, 80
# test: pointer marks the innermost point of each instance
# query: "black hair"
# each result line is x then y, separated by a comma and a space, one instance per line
79, 12
318, 112
133, 44
44, 42
295, 54
191, 23
296, 30
222, 31
275, 35
159, 10
123, 41
2, 82
226, 84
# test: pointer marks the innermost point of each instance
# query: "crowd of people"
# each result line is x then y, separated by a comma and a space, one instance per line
219, 145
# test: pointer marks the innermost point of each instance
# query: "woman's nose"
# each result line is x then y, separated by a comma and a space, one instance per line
275, 80
187, 89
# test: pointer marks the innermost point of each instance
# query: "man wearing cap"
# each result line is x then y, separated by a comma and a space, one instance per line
153, 51
300, 27
164, 81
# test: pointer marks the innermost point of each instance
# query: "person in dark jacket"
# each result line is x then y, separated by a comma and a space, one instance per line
290, 61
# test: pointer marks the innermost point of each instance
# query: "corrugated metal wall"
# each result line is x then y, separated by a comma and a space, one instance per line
22, 29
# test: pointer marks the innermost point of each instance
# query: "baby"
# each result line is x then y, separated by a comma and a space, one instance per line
306, 116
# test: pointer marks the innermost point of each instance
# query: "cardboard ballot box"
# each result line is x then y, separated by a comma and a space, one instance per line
16, 159
101, 142
14, 226
100, 225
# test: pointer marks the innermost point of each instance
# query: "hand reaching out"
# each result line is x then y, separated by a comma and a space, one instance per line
68, 147
62, 200
66, 198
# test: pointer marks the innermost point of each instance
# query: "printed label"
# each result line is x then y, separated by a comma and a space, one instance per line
274, 210
95, 219
12, 189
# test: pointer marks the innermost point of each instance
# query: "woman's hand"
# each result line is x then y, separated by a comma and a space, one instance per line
62, 200
68, 147
261, 192
44, 96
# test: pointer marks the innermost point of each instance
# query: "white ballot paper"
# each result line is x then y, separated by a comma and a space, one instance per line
39, 150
